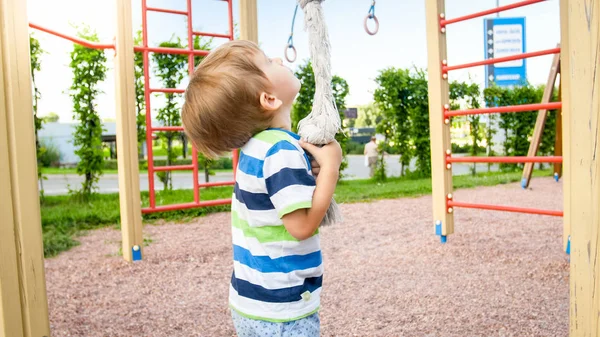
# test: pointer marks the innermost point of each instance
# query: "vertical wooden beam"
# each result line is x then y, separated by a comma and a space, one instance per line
23, 301
127, 158
565, 81
248, 20
583, 145
441, 176
540, 122
558, 141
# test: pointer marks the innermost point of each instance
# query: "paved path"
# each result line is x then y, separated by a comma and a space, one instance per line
61, 183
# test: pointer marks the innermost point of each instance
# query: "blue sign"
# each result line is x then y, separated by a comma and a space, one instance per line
505, 37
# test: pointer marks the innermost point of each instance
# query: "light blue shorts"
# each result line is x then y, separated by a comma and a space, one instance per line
306, 327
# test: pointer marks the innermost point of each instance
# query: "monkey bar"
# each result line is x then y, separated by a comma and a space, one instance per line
440, 115
444, 22
502, 109
452, 203
446, 68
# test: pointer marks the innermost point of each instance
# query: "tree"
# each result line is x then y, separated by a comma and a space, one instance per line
470, 94
51, 117
171, 69
140, 98
35, 51
304, 102
88, 70
518, 127
401, 96
368, 116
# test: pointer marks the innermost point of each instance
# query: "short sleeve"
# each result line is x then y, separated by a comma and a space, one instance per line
288, 178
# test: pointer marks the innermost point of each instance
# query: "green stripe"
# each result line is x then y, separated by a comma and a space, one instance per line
262, 234
294, 207
258, 318
272, 136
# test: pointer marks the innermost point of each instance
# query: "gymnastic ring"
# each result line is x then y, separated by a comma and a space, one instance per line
287, 57
369, 16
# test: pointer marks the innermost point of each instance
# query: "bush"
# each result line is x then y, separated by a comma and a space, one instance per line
49, 155
355, 147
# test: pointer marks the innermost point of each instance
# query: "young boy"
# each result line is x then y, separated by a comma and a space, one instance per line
239, 98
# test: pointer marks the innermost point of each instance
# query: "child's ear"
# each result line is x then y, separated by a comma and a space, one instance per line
270, 102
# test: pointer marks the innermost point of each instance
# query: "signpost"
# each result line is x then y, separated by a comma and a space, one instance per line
505, 37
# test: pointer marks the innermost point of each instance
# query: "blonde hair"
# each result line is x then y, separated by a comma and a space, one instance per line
222, 109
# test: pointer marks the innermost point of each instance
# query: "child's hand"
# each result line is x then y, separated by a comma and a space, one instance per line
316, 168
329, 157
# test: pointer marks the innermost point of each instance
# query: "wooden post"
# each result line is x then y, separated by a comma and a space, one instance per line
581, 29
248, 20
23, 301
558, 137
540, 122
441, 175
565, 98
127, 149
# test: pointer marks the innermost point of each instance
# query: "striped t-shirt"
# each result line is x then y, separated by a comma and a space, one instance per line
276, 277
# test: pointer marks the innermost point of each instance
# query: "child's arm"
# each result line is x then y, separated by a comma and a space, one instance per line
303, 223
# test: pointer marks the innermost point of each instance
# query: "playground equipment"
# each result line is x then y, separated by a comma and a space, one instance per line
23, 303
441, 153
580, 95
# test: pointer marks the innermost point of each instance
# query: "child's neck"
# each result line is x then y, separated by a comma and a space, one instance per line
282, 118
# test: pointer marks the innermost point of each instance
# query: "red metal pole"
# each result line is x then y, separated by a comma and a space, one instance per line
216, 184
190, 34
173, 168
444, 22
163, 10
452, 203
167, 128
151, 191
235, 160
163, 50
166, 208
85, 43
224, 36
446, 69
515, 160
504, 109
230, 14
168, 90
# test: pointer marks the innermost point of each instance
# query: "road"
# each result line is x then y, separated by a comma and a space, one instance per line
57, 184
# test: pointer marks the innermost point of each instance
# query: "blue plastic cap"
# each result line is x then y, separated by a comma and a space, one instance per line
556, 176
438, 228
136, 254
568, 250
443, 238
524, 183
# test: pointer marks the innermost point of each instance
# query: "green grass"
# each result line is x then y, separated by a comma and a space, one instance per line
66, 217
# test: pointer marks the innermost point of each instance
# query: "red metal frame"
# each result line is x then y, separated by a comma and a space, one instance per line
513, 160
444, 22
446, 68
85, 43
452, 203
150, 130
190, 52
447, 113
503, 109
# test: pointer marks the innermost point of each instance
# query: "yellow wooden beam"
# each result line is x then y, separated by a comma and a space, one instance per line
248, 20
23, 301
441, 175
129, 180
540, 123
565, 80
581, 31
558, 140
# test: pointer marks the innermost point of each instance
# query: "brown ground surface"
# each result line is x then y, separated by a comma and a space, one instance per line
386, 274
